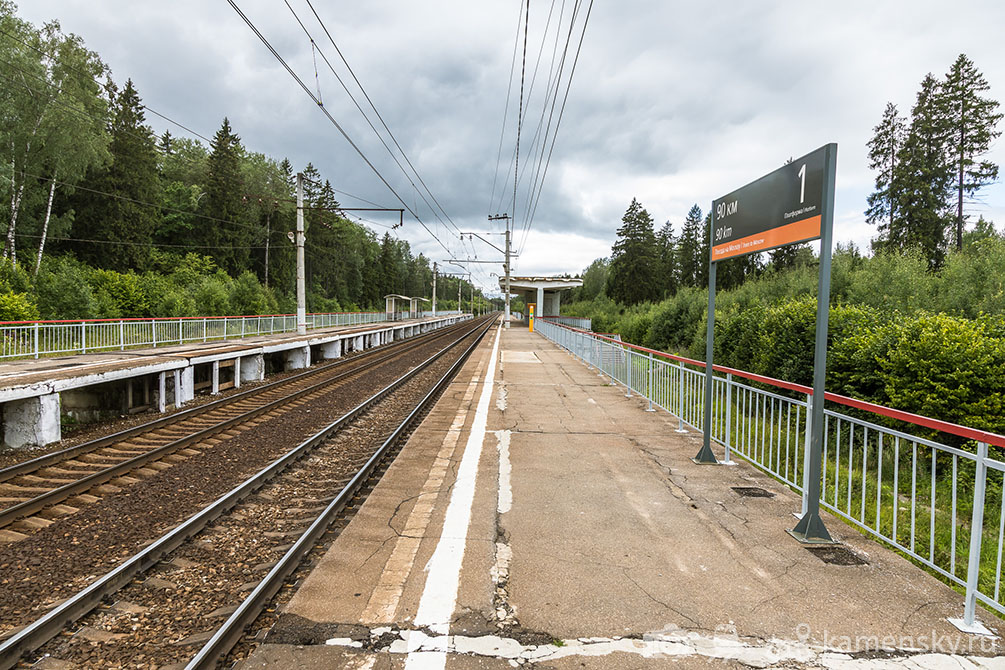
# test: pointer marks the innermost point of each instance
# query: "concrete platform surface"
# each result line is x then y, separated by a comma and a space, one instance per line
539, 517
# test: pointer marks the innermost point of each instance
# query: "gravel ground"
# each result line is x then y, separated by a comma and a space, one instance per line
165, 618
55, 562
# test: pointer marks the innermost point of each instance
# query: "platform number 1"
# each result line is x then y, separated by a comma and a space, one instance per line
802, 183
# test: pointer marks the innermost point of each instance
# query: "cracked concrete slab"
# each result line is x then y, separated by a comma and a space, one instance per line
611, 540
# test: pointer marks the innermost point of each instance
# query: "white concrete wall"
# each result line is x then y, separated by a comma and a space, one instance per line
297, 359
32, 421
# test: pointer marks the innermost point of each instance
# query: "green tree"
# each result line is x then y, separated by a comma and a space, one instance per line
972, 121
689, 248
924, 177
115, 208
227, 233
884, 149
667, 248
634, 261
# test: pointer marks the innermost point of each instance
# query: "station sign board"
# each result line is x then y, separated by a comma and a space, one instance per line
782, 207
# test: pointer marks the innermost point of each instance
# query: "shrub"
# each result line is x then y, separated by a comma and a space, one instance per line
17, 307
249, 297
63, 291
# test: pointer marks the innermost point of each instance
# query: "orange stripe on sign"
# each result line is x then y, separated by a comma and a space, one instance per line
798, 231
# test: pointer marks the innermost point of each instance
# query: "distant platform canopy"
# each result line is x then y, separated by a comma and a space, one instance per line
543, 292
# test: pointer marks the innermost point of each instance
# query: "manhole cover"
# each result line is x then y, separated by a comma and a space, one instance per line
753, 492
837, 555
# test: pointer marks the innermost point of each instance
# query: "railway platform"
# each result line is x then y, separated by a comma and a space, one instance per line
539, 517
36, 395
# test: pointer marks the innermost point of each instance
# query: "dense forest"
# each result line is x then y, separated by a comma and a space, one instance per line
106, 219
918, 324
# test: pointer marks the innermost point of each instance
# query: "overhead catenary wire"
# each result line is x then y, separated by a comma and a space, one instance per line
374, 108
360, 109
553, 96
561, 113
331, 118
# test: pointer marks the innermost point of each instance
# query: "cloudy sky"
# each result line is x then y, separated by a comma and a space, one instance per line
673, 103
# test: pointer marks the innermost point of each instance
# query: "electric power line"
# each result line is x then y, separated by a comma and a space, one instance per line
331, 118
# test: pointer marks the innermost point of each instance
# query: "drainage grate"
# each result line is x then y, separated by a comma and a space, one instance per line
753, 492
837, 555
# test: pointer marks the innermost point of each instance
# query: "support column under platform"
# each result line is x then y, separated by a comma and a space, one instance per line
32, 422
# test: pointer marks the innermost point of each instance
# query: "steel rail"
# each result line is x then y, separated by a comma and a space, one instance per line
53, 457
248, 611
50, 624
40, 502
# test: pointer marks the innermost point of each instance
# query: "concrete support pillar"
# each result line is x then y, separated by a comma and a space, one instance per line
237, 372
357, 344
177, 389
185, 385
331, 350
32, 421
162, 392
298, 359
216, 377
539, 305
253, 368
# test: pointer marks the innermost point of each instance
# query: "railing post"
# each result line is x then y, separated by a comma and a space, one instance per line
83, 337
680, 398
204, 329
224, 329
181, 333
153, 332
729, 415
649, 384
628, 373
243, 321
969, 623
36, 339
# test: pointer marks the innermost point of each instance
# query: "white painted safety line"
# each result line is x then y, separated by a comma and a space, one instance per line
436, 607
384, 600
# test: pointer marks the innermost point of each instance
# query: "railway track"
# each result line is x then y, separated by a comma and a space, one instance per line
38, 492
248, 541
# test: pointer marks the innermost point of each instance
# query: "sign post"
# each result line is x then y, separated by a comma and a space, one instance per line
793, 204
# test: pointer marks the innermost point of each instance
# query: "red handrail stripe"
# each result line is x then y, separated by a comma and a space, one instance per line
177, 318
882, 410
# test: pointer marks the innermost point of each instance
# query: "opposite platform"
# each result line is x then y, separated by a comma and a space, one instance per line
538, 516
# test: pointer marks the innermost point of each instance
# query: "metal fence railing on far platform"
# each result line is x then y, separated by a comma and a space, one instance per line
932, 489
46, 338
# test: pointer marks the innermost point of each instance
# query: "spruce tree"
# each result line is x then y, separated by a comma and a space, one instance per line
884, 148
924, 178
689, 246
633, 274
972, 120
667, 248
227, 233
130, 179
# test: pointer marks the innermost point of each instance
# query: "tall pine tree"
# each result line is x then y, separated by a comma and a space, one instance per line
972, 121
667, 248
227, 233
689, 249
924, 178
131, 179
884, 148
634, 263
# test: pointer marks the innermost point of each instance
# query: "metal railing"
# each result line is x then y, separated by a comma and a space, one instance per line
574, 321
927, 487
43, 338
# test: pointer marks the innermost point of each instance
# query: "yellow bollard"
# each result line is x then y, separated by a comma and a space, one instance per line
531, 307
